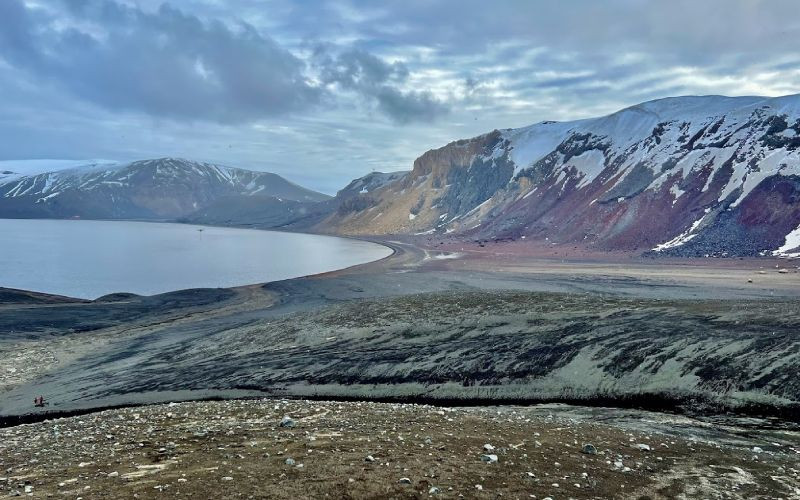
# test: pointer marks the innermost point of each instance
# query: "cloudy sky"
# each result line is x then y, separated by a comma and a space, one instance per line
322, 92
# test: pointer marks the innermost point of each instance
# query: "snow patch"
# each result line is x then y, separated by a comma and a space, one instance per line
51, 195
681, 238
590, 164
773, 164
791, 242
448, 255
676, 192
531, 144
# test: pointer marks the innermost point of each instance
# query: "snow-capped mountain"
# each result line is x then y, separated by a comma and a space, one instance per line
8, 175
165, 188
35, 167
680, 176
16, 169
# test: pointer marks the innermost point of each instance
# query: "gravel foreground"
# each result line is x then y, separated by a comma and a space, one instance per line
305, 449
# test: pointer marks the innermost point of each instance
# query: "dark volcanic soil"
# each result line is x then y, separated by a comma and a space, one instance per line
236, 449
425, 325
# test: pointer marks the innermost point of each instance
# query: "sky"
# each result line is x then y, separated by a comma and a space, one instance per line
322, 92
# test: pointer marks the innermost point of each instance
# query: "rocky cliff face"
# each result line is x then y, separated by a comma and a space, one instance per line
678, 176
452, 179
165, 188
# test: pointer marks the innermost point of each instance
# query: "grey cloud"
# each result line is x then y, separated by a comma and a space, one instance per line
471, 83
379, 81
406, 107
359, 69
164, 63
16, 25
685, 30
167, 63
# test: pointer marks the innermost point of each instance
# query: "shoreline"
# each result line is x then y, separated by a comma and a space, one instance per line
508, 256
149, 327
250, 267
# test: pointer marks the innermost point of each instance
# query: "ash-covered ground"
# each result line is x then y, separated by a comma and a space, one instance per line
306, 449
715, 340
488, 346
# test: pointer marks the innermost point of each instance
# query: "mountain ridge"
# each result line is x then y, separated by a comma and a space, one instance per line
678, 176
693, 175
161, 188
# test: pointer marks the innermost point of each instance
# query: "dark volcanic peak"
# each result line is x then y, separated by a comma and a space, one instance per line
163, 188
694, 175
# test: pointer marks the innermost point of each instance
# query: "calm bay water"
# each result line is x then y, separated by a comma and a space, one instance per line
89, 259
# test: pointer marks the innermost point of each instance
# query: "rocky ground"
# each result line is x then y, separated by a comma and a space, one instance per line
248, 449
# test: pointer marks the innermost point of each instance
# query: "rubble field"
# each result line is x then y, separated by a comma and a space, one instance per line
271, 448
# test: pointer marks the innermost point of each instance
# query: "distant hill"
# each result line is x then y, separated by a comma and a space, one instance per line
158, 189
